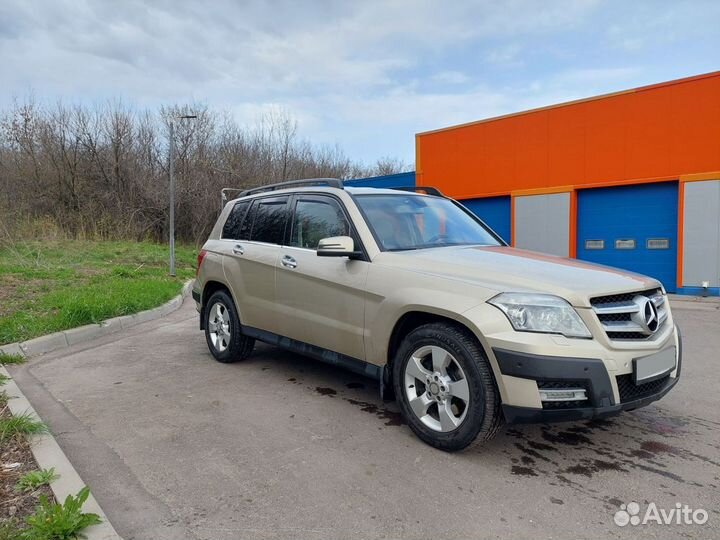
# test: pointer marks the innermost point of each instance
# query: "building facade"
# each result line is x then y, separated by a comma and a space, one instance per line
630, 179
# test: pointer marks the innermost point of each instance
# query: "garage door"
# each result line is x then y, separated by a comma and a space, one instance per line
631, 227
495, 211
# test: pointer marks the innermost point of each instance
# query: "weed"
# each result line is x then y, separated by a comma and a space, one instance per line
60, 521
6, 358
34, 479
4, 379
22, 424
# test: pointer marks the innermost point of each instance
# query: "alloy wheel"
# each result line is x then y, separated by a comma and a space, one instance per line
436, 388
219, 326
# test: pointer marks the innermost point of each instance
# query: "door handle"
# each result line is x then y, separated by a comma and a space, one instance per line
238, 249
289, 262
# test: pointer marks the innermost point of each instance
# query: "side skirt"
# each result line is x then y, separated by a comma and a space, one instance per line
318, 353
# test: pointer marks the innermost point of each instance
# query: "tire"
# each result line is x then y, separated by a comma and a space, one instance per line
222, 330
459, 407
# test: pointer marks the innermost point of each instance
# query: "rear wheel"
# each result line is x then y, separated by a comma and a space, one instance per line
445, 387
222, 330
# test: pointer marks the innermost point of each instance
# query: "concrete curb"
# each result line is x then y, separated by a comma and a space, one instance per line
48, 454
67, 338
702, 303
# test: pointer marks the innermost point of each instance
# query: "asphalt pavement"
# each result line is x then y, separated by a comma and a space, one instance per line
175, 445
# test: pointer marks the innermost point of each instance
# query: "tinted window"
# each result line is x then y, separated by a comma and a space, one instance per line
269, 225
317, 219
403, 222
231, 229
247, 223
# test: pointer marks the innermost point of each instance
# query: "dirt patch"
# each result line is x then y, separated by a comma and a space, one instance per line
16, 459
9, 285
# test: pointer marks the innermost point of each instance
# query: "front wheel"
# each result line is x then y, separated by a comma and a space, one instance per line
222, 330
445, 387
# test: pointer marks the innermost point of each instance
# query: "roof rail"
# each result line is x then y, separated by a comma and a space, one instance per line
330, 182
427, 190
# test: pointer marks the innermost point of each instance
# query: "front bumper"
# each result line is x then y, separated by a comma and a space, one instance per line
591, 374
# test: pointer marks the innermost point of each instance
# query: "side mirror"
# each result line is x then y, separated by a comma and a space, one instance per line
338, 246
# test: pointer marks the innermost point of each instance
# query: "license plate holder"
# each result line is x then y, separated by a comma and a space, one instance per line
655, 366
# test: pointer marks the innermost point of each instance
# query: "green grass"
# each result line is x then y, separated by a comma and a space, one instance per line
20, 425
32, 480
11, 359
50, 286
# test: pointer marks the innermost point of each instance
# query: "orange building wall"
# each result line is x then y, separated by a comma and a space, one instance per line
652, 133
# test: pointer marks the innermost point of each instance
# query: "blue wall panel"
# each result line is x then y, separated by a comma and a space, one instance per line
406, 179
495, 211
639, 212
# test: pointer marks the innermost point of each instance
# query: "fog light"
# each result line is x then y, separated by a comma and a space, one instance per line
565, 394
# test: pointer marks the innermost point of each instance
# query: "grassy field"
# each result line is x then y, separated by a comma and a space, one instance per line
56, 285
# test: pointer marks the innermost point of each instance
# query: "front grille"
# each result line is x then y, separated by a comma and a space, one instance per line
616, 313
620, 336
622, 297
560, 384
629, 391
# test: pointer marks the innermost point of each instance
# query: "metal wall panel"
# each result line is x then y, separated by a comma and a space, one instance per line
701, 234
631, 227
406, 179
495, 211
542, 223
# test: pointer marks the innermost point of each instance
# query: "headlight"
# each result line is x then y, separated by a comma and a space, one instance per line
528, 312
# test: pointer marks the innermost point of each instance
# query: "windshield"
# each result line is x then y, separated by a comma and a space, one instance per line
401, 222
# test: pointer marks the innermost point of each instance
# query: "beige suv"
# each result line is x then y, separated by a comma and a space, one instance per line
412, 289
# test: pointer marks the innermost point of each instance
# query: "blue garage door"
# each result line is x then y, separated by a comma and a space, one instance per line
495, 211
631, 227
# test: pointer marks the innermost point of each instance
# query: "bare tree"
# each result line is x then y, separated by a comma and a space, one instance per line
102, 171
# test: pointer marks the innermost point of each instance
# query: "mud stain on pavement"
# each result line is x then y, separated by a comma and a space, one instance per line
647, 443
324, 391
522, 471
565, 437
393, 418
655, 447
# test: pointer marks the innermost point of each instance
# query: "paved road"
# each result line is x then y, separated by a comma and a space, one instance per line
175, 445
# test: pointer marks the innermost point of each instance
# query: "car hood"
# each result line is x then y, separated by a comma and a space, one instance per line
505, 269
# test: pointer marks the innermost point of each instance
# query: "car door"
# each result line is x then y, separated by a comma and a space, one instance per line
249, 260
322, 299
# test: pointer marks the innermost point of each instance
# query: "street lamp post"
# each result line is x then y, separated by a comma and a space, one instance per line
171, 170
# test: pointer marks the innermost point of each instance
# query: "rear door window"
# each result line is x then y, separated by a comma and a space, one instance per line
270, 217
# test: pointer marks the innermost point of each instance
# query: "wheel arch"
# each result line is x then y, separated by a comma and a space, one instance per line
210, 288
410, 320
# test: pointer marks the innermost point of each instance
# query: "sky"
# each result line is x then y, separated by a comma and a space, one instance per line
365, 75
